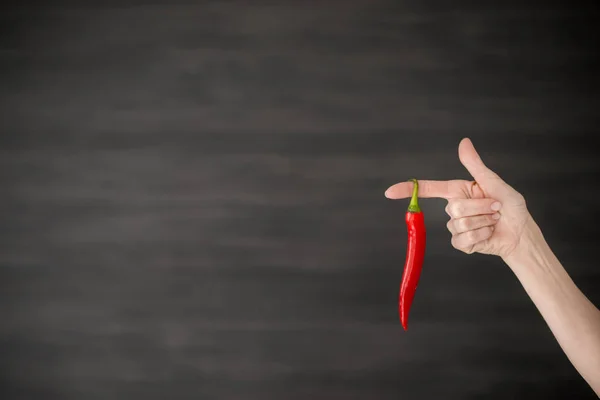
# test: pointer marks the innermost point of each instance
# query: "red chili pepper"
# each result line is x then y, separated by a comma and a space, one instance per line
415, 253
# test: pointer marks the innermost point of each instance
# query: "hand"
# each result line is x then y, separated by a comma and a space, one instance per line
486, 215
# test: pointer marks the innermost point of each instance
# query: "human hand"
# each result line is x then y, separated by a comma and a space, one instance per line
486, 215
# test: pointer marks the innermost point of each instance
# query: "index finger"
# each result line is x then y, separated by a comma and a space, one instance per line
441, 189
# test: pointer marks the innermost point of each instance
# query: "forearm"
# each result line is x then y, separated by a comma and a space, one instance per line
573, 319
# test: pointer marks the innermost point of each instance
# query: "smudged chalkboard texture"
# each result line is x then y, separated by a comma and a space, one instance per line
192, 203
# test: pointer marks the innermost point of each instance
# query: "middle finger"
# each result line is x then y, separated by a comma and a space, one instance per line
460, 208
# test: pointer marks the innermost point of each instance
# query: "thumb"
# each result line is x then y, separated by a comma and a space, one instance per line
484, 176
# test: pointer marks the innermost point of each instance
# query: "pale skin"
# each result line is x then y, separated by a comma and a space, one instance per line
490, 217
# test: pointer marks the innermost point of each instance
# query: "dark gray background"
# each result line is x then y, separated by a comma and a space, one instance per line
193, 196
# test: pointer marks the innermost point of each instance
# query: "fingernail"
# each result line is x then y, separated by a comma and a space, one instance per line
496, 206
496, 216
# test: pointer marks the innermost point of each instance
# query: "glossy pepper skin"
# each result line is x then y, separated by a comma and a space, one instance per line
415, 254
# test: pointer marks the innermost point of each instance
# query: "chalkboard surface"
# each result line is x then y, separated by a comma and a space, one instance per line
193, 196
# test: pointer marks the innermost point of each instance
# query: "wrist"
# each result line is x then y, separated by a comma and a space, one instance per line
532, 247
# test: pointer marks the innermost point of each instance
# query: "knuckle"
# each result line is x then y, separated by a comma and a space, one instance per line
456, 209
455, 243
472, 236
467, 249
465, 224
458, 243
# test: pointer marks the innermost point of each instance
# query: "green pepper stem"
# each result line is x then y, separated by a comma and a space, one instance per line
413, 207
